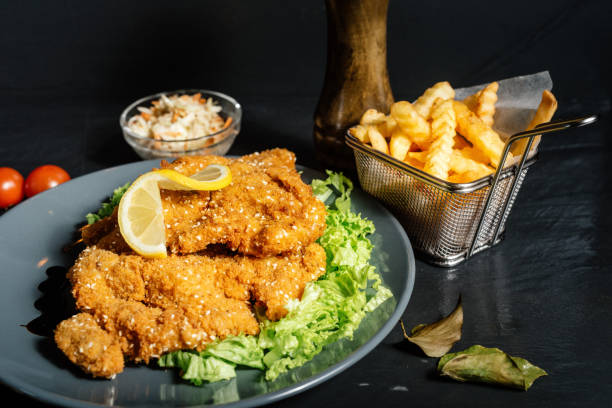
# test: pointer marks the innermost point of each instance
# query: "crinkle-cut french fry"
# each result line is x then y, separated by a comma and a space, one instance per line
479, 134
462, 164
413, 124
436, 102
485, 107
545, 112
387, 127
460, 142
414, 163
372, 117
443, 126
377, 140
442, 90
466, 177
471, 101
421, 157
459, 178
399, 144
482, 103
474, 154
361, 133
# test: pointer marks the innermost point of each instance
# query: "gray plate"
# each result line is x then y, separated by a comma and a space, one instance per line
38, 228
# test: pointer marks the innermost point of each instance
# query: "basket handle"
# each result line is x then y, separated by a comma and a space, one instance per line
549, 127
541, 129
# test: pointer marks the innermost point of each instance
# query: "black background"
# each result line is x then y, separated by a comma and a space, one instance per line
68, 68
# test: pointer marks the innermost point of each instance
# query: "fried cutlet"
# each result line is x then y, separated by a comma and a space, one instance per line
141, 308
266, 210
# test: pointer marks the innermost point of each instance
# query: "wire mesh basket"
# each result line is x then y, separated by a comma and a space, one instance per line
449, 222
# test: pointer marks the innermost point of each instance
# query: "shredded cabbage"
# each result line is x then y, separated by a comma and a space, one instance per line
174, 117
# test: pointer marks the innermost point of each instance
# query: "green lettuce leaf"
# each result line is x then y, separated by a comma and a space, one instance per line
218, 361
107, 207
335, 184
197, 368
240, 350
332, 307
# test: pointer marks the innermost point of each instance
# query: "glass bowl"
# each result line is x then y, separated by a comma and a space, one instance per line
217, 143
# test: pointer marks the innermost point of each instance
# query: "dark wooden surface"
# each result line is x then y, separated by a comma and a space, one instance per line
544, 293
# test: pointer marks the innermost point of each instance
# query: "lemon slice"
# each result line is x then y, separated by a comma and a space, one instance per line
140, 214
213, 177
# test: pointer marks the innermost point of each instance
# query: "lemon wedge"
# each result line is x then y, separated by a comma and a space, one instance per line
140, 214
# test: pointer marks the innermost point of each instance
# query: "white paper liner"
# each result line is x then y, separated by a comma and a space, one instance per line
517, 101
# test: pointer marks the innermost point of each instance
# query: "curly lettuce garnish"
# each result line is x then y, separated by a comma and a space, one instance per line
107, 208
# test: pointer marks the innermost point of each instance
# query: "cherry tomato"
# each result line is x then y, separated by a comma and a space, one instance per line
43, 178
11, 187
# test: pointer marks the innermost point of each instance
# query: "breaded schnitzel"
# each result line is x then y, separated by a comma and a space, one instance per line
250, 243
141, 308
266, 210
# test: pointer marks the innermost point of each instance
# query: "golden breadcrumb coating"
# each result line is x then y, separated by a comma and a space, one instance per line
147, 307
266, 210
249, 244
88, 346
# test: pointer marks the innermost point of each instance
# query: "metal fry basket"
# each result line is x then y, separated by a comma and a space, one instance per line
448, 222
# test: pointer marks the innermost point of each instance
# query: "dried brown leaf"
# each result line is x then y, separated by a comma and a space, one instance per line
489, 365
436, 339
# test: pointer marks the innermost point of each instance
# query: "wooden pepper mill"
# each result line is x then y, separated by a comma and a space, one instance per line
356, 77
